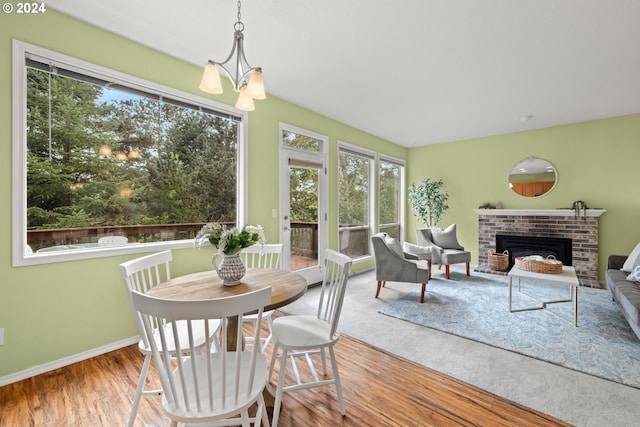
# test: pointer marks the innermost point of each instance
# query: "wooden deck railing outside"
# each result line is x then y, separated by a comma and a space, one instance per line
39, 239
304, 239
304, 236
353, 240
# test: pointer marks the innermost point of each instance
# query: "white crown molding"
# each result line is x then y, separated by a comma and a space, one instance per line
537, 212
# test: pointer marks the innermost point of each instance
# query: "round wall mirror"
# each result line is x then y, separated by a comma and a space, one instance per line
533, 177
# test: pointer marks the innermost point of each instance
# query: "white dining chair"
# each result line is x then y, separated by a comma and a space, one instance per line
113, 240
205, 386
140, 275
305, 335
262, 256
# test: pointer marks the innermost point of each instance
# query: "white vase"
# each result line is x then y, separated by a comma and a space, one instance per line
230, 270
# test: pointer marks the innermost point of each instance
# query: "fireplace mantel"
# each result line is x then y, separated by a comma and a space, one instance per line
536, 212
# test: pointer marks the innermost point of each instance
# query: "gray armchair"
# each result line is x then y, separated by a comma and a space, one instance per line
395, 264
444, 247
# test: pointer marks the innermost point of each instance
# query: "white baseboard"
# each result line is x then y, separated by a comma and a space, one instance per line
60, 363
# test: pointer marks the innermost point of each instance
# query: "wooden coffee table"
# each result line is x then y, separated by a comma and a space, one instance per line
566, 278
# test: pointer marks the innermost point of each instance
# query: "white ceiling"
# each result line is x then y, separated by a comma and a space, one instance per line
414, 72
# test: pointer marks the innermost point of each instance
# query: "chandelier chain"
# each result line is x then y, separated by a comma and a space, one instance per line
239, 26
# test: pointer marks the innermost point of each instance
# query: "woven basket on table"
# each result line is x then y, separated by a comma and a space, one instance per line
548, 265
499, 262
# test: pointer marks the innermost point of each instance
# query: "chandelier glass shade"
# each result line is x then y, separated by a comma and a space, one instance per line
105, 150
246, 80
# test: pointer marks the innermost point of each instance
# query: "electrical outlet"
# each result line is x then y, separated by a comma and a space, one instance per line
1, 336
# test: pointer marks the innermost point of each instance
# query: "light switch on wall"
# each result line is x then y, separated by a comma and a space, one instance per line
1, 336
274, 213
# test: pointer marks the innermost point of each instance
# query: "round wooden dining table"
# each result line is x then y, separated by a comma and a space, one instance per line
286, 287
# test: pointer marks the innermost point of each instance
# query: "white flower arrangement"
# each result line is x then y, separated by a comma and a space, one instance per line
230, 240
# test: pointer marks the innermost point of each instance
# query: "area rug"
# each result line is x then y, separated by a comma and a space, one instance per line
477, 308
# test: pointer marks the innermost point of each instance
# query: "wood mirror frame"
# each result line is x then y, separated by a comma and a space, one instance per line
533, 177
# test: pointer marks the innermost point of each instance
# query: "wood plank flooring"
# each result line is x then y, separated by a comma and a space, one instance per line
380, 389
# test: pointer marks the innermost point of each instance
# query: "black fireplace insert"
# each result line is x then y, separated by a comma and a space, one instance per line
518, 246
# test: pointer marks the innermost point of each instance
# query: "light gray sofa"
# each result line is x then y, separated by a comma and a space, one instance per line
625, 292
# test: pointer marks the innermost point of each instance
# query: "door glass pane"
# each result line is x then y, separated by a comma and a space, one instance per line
303, 142
303, 185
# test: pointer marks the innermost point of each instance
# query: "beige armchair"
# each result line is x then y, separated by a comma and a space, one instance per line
395, 264
444, 247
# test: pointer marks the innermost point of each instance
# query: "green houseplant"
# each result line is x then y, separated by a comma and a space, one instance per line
428, 200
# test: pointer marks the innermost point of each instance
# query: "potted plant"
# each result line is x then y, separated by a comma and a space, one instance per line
428, 200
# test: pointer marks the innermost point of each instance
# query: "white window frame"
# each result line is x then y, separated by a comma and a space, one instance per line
371, 155
20, 254
402, 196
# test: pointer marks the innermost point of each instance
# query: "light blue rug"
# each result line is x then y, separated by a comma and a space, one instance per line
477, 308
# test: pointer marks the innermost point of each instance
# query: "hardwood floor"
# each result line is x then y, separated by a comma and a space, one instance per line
380, 389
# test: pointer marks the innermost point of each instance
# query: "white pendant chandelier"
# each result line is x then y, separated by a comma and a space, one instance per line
246, 80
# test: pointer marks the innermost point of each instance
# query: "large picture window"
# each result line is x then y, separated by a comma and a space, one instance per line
108, 161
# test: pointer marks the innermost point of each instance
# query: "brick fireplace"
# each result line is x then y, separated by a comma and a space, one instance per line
553, 223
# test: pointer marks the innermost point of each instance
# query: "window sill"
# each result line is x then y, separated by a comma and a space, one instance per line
97, 252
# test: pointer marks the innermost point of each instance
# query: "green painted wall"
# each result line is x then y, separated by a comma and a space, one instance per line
54, 311
57, 310
597, 162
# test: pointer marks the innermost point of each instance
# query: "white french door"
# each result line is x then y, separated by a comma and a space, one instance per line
303, 211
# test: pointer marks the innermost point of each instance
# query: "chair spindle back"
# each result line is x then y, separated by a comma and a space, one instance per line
204, 385
334, 285
262, 256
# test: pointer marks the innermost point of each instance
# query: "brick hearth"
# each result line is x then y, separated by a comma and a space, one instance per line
544, 223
